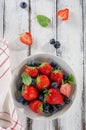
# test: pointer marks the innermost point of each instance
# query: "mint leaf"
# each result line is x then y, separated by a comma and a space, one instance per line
43, 20
70, 79
26, 79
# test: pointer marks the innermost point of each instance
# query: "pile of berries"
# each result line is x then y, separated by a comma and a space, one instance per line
44, 87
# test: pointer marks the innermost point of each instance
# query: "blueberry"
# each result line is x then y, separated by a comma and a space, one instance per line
65, 76
54, 84
19, 86
46, 108
33, 82
57, 45
52, 41
52, 109
23, 5
59, 107
25, 103
53, 64
41, 96
37, 63
20, 99
67, 100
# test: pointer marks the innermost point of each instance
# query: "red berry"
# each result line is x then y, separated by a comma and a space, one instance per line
45, 68
66, 89
32, 71
29, 93
54, 97
56, 76
36, 106
26, 38
63, 14
42, 82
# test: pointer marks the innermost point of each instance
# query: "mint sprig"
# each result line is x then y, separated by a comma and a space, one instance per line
43, 20
71, 79
26, 79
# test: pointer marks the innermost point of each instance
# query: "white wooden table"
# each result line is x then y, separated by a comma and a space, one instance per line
14, 20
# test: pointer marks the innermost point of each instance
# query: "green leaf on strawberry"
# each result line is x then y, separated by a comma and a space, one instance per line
26, 79
41, 108
43, 20
46, 93
71, 79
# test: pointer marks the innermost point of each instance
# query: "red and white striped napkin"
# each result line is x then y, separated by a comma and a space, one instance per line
8, 115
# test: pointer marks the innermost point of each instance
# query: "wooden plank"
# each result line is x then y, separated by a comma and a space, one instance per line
70, 36
1, 18
41, 38
16, 22
84, 65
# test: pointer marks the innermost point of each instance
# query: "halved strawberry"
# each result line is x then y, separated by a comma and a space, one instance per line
29, 93
63, 14
53, 96
42, 82
26, 38
57, 76
36, 106
32, 71
45, 68
66, 89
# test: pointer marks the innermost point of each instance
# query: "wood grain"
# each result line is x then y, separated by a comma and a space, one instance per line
70, 35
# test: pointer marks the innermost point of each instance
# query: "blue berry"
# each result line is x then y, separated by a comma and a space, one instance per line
25, 103
59, 107
41, 96
37, 63
52, 41
52, 109
57, 45
20, 99
49, 109
54, 84
53, 64
23, 5
65, 76
67, 100
19, 86
33, 83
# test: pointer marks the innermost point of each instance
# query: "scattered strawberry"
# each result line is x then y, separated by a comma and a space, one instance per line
29, 93
53, 96
57, 76
32, 71
42, 82
26, 38
66, 89
45, 68
63, 14
36, 106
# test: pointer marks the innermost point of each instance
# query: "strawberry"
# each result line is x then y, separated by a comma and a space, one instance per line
63, 14
36, 106
53, 96
29, 93
66, 89
45, 68
32, 71
42, 82
26, 38
57, 76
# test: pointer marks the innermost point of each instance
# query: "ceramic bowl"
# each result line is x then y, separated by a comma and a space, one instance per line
25, 109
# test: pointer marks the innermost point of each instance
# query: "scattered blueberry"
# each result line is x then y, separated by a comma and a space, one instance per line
20, 99
67, 100
52, 41
37, 63
23, 5
54, 84
41, 96
57, 45
65, 76
59, 107
52, 109
33, 83
25, 103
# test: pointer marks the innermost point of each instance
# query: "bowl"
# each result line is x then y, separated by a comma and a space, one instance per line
25, 109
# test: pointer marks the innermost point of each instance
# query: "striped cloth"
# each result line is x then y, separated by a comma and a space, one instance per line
8, 115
